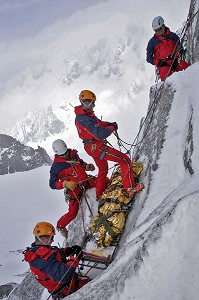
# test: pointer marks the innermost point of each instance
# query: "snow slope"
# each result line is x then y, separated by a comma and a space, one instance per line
158, 254
25, 200
158, 258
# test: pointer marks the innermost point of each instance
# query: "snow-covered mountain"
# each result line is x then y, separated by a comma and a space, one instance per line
37, 126
105, 62
107, 55
158, 254
17, 157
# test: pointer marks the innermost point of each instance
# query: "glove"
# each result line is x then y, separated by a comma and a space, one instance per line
90, 167
71, 185
175, 63
162, 63
171, 56
76, 250
68, 251
114, 124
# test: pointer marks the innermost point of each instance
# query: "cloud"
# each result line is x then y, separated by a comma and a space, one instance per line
31, 68
84, 28
10, 5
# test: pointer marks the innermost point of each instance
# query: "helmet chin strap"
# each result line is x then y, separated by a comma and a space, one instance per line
163, 29
87, 106
49, 241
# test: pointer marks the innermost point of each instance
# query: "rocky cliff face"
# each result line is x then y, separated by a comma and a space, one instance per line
16, 157
152, 137
192, 33
29, 289
153, 131
6, 289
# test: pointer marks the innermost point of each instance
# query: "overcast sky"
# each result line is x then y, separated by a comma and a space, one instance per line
28, 19
36, 37
23, 18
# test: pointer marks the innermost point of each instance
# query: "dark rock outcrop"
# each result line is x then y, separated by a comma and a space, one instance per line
16, 157
5, 289
29, 289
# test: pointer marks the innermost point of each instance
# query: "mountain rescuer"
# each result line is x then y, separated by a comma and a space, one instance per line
164, 50
94, 132
68, 172
53, 267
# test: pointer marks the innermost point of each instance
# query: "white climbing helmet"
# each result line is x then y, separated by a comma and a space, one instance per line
59, 147
157, 22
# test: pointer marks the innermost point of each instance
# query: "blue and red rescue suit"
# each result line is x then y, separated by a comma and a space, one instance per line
94, 132
72, 169
164, 49
52, 269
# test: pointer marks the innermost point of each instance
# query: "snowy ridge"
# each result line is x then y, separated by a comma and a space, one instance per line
29, 289
161, 210
38, 126
103, 63
162, 229
16, 157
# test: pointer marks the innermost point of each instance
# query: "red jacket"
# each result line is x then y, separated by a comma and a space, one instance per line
51, 268
72, 169
89, 127
160, 47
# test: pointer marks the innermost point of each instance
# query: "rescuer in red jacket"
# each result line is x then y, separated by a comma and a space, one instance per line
164, 50
94, 132
68, 172
53, 267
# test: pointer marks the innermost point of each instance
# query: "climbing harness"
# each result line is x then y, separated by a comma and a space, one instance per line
57, 293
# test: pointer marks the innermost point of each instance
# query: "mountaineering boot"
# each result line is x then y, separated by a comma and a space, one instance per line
64, 232
133, 191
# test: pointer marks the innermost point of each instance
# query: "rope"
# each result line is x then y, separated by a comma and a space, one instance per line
189, 36
80, 204
51, 293
89, 206
83, 196
158, 91
118, 140
121, 142
84, 192
153, 106
89, 178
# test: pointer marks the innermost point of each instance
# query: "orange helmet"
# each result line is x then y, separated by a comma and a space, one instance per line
44, 228
87, 95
